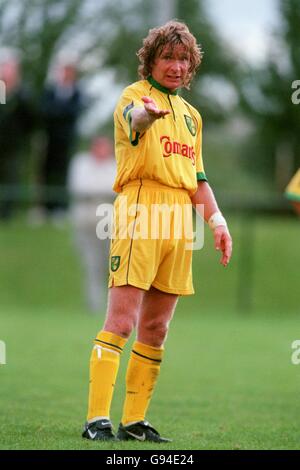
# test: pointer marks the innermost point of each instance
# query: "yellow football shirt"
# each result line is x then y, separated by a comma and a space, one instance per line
292, 191
170, 151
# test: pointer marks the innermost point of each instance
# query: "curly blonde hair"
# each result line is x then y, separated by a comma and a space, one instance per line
170, 34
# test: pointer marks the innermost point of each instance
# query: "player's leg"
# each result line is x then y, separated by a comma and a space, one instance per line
157, 310
144, 365
123, 307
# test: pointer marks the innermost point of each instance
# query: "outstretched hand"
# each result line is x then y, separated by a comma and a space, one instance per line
152, 109
223, 242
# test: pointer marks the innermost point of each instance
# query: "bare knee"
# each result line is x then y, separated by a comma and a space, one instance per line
120, 322
122, 312
121, 329
153, 332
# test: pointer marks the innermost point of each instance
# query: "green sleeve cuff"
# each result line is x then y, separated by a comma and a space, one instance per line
201, 176
293, 197
133, 136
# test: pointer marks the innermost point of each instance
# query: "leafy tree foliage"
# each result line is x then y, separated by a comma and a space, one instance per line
40, 29
111, 33
265, 95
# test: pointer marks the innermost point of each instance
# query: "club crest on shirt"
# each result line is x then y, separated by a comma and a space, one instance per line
190, 124
115, 263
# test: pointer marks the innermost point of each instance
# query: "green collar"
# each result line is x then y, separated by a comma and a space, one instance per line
160, 87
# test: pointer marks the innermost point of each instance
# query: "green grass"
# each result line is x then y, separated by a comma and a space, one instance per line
227, 381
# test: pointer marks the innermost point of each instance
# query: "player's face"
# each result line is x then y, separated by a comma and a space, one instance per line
170, 68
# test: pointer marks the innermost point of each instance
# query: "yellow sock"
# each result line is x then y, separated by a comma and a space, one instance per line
104, 365
142, 373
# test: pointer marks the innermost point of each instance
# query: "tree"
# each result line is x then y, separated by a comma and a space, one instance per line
110, 33
266, 98
40, 29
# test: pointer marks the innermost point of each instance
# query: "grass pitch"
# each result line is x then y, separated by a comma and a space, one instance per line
227, 381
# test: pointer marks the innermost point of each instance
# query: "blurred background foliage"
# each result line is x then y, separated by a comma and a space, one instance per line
251, 125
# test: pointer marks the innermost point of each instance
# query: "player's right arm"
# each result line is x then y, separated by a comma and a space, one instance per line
143, 118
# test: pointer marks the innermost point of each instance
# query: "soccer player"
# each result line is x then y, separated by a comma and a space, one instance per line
159, 162
292, 191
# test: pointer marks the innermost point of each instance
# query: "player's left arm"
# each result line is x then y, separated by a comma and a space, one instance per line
213, 216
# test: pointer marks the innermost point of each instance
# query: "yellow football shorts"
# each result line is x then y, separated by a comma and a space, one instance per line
152, 238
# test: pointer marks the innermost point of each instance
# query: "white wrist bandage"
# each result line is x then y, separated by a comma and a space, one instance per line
215, 220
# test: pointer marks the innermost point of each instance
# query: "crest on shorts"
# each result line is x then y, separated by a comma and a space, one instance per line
190, 124
115, 263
